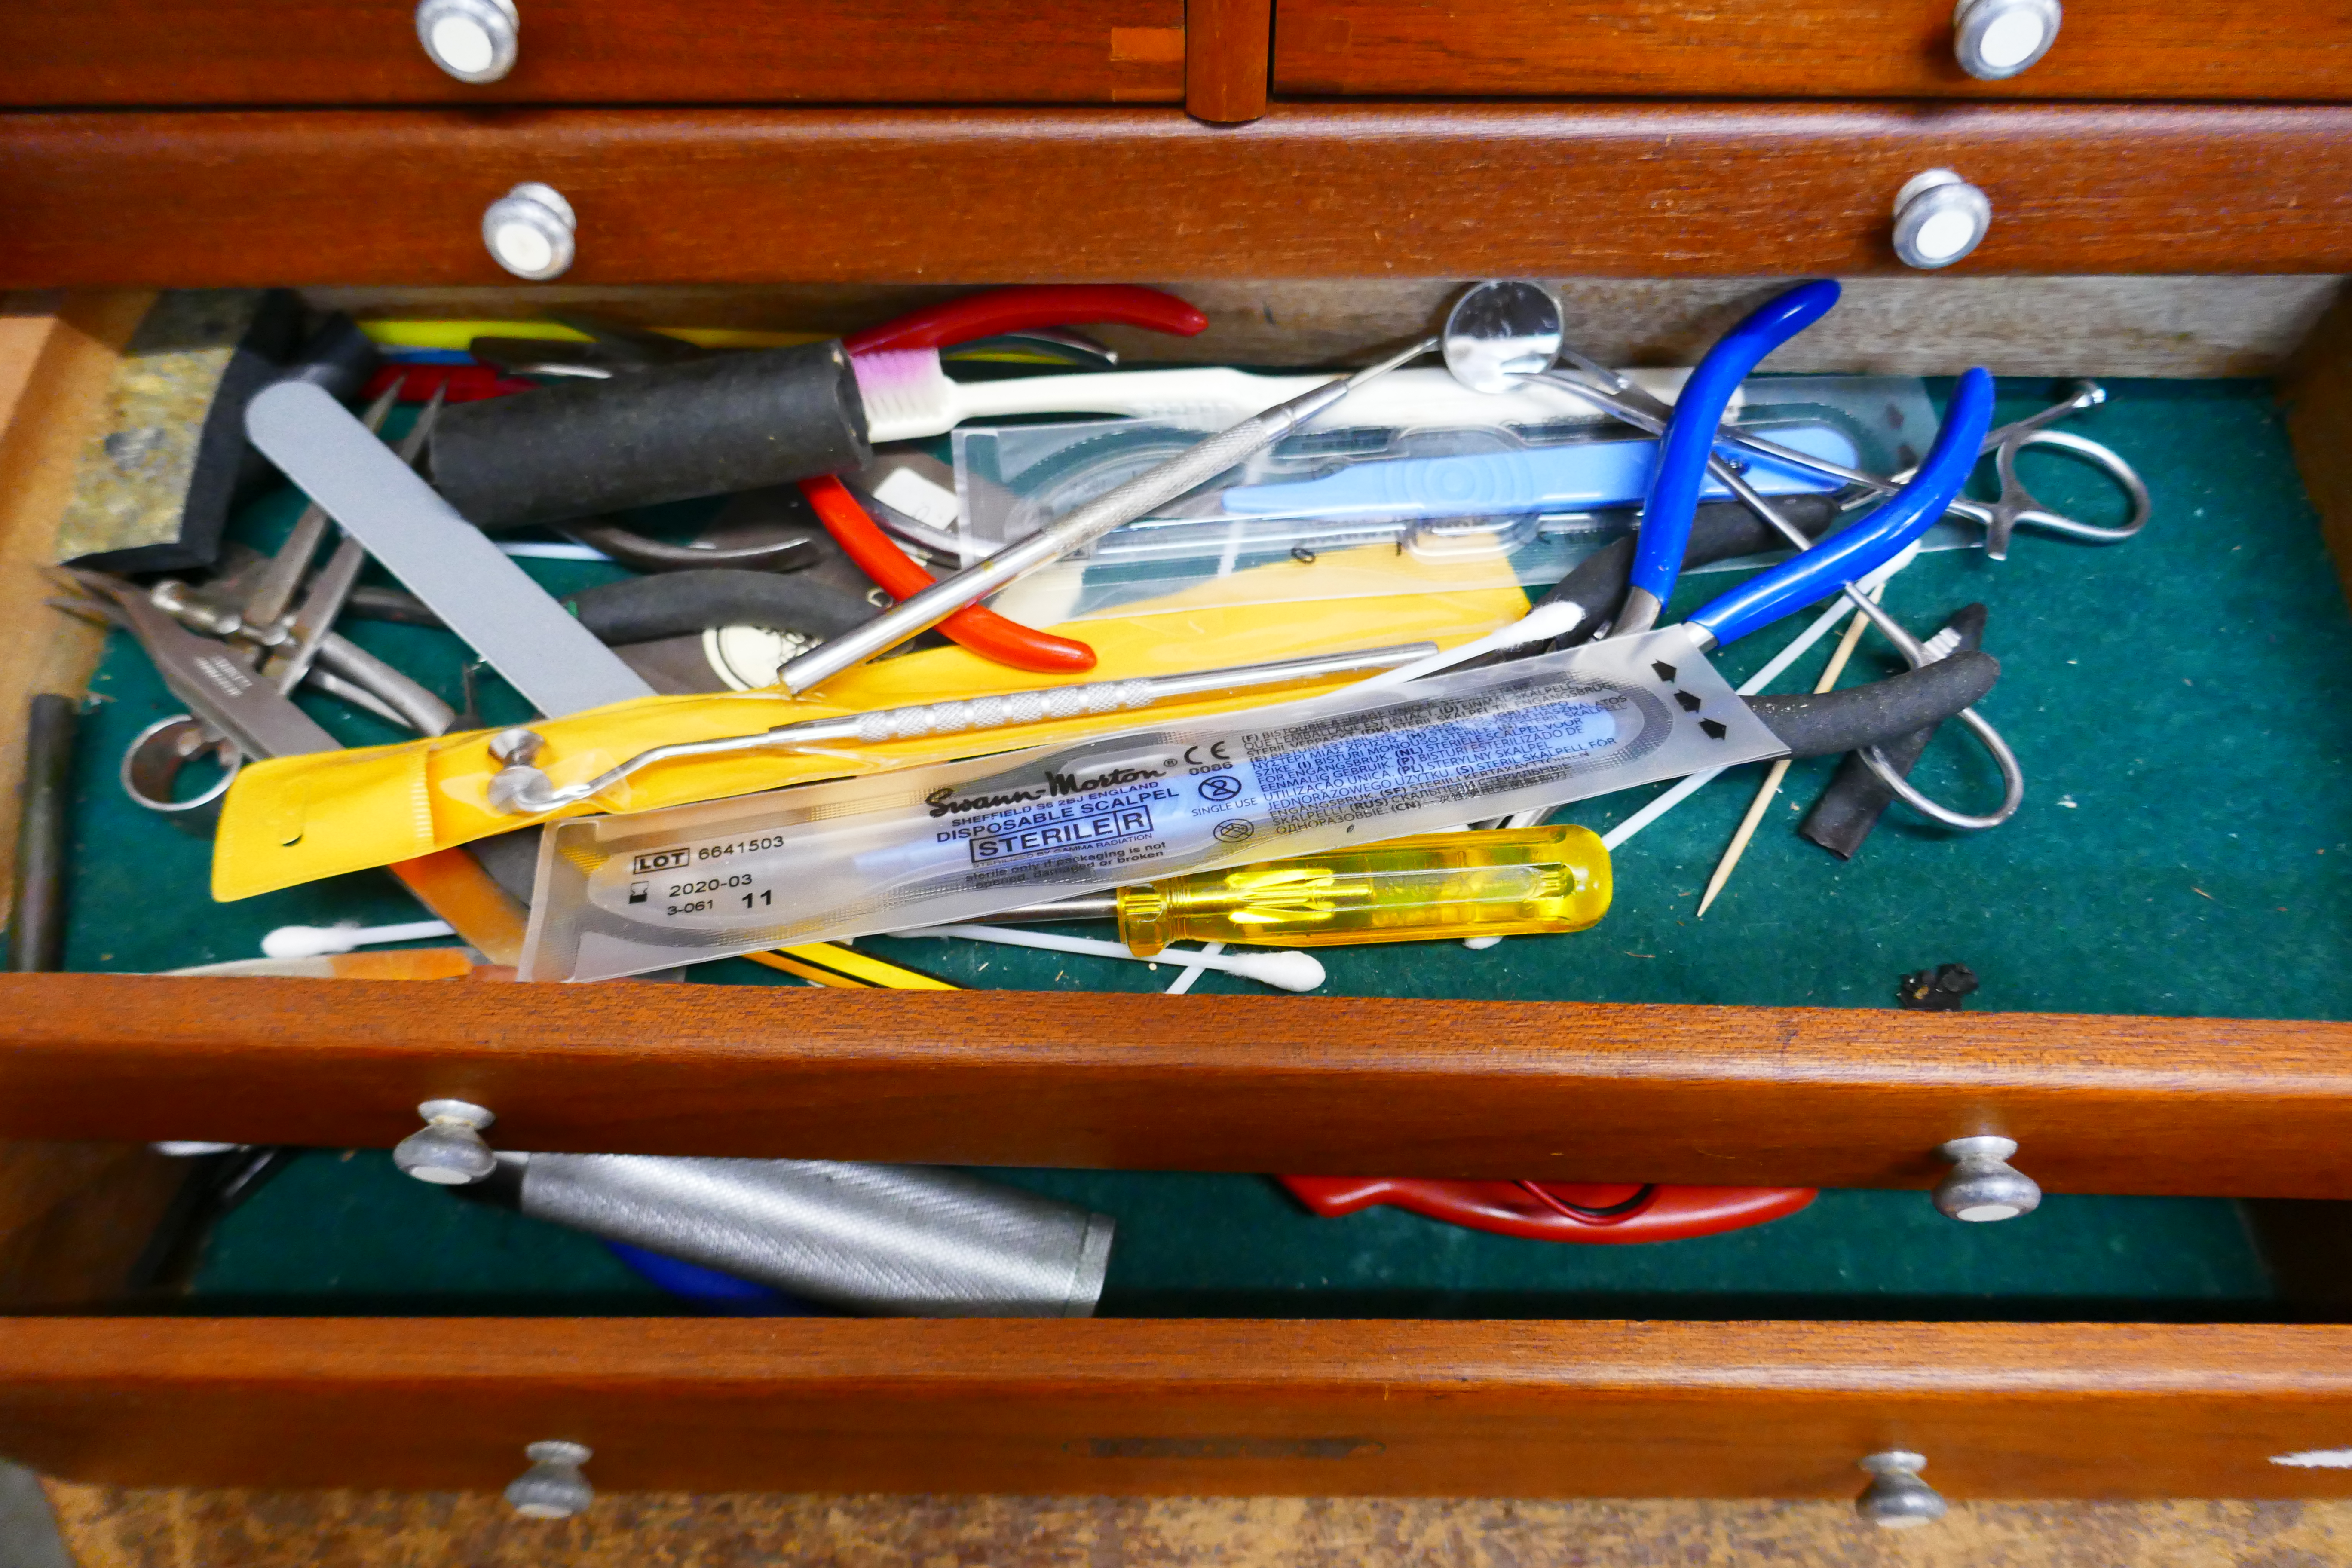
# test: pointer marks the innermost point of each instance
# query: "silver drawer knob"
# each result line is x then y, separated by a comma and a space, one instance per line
1939, 218
530, 231
449, 1150
553, 1487
1982, 1185
473, 40
1896, 1499
1995, 39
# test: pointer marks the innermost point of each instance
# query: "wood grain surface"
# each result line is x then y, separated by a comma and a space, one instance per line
1436, 190
1183, 1407
150, 52
1716, 1096
114, 1528
1227, 46
1813, 48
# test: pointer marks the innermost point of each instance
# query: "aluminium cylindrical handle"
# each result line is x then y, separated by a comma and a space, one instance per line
914, 1240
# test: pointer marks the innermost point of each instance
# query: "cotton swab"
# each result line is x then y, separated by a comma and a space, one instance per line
1192, 972
1779, 770
1541, 623
1287, 971
317, 942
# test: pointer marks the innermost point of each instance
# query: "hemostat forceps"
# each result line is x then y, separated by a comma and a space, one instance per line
2016, 506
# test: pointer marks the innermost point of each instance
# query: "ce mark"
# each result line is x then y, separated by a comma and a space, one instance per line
1216, 750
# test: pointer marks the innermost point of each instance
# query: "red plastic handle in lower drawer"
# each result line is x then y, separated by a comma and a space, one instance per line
1616, 1212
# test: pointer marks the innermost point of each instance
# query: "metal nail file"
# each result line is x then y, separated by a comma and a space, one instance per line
477, 592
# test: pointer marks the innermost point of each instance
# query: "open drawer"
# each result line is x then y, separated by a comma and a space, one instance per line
2208, 1062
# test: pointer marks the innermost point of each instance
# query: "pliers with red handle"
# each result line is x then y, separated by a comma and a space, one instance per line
984, 315
1618, 1213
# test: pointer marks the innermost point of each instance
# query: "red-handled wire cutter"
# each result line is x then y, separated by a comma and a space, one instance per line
1606, 1211
984, 315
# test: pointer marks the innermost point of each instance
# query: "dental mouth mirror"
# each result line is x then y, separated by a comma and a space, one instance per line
1500, 332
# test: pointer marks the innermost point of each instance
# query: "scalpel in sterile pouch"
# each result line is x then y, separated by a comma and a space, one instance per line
624, 895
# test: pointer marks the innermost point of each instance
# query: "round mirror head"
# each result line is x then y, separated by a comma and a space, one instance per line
1500, 332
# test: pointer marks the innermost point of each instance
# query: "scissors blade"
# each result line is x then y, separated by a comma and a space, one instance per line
273, 591
209, 678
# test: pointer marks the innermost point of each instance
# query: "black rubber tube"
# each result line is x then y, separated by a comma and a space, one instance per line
671, 604
674, 604
36, 928
1822, 724
710, 427
1844, 815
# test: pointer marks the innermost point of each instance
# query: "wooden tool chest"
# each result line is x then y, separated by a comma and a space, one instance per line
2171, 196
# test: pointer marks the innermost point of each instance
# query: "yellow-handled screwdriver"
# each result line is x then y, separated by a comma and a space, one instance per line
1503, 882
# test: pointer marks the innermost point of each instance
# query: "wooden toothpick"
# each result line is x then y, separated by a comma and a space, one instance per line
1772, 784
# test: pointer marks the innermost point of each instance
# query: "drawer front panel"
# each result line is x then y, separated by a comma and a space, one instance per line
1819, 48
824, 196
100, 52
1712, 1096
1526, 1409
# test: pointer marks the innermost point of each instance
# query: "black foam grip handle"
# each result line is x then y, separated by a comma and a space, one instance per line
1721, 530
677, 603
1820, 724
709, 427
1843, 817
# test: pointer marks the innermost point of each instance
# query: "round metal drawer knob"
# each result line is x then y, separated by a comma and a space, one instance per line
1982, 1185
1996, 39
1896, 1499
473, 40
1939, 218
553, 1487
530, 231
449, 1150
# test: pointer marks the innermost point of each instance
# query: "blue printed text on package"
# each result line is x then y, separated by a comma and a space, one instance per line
1073, 832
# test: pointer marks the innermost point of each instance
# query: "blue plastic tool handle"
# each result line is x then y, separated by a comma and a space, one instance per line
721, 1292
1864, 546
1581, 476
1691, 432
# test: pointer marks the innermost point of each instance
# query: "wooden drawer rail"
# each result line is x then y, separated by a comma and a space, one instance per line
865, 195
1528, 1409
1725, 1096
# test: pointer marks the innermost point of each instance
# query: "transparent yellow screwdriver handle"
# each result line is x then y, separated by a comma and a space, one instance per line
1507, 882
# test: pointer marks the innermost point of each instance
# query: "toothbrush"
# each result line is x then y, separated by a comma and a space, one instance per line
907, 394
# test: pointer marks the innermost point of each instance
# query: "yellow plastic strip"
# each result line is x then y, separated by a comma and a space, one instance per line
458, 334
808, 971
864, 966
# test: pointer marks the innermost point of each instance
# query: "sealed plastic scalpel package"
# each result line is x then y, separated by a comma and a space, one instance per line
622, 895
1337, 513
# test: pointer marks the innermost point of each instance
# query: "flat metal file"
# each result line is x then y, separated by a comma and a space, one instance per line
476, 591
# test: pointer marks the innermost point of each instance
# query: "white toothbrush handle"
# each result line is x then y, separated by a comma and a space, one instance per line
1209, 395
1212, 398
